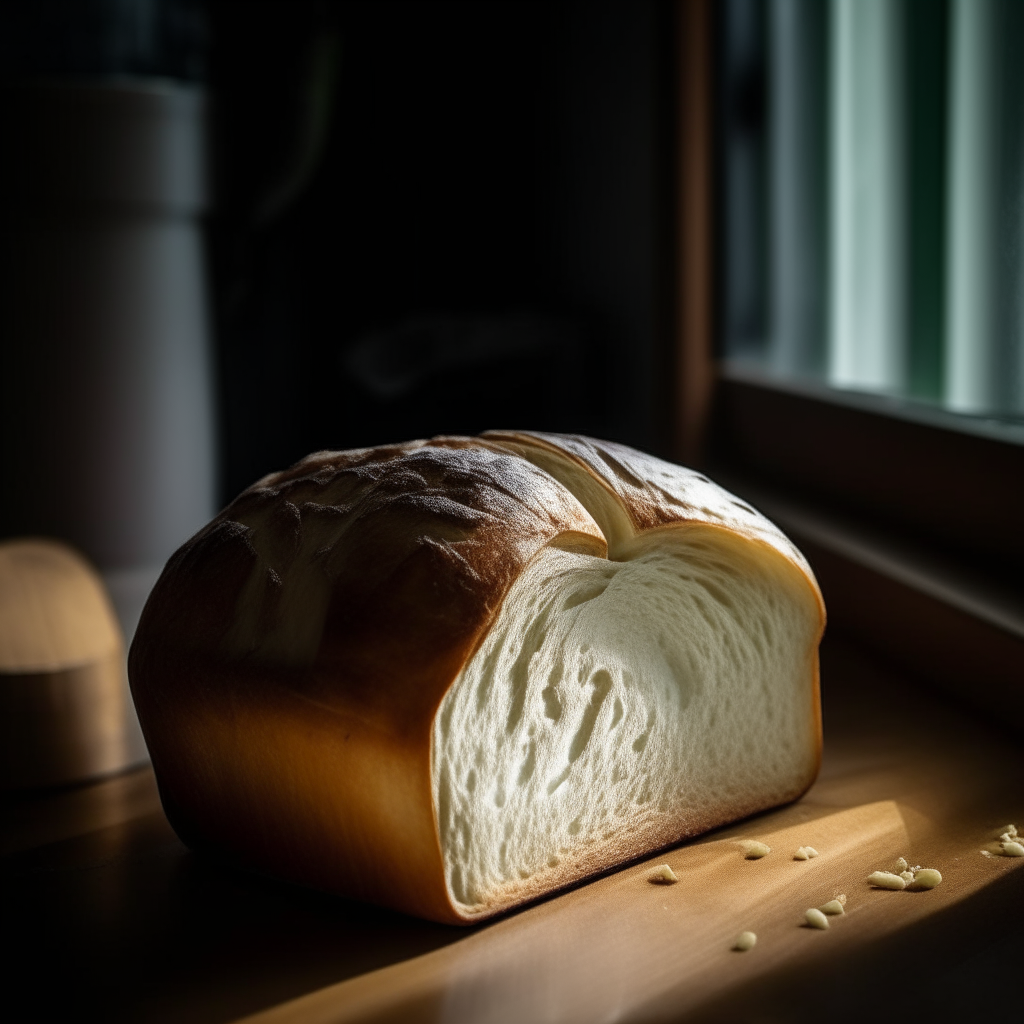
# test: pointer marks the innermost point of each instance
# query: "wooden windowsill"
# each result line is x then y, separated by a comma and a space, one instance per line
953, 488
756, 374
116, 920
910, 522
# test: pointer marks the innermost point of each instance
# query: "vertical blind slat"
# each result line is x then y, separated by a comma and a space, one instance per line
890, 197
868, 322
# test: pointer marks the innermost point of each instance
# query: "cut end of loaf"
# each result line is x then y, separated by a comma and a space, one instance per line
617, 706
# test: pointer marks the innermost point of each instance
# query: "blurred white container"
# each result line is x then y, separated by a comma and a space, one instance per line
106, 407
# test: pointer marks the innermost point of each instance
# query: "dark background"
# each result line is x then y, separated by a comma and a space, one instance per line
438, 218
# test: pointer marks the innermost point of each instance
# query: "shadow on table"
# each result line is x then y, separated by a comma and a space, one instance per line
126, 924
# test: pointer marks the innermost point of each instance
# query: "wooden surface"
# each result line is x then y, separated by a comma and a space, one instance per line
110, 917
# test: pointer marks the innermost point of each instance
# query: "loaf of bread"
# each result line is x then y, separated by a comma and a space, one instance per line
452, 676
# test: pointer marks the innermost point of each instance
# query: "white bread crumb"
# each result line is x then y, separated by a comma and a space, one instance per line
1003, 829
745, 941
907, 876
927, 878
805, 853
1013, 850
985, 853
901, 866
833, 907
816, 919
842, 898
753, 849
886, 880
662, 875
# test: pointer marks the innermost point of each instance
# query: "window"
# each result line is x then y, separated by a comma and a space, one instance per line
873, 197
868, 385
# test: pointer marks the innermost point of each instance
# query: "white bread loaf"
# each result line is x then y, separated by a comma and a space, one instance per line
453, 676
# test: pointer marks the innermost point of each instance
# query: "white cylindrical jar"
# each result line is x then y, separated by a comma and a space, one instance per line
106, 405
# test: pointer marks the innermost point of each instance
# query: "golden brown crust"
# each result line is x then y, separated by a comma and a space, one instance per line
291, 659
256, 737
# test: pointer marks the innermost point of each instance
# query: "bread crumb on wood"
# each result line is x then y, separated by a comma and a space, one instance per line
662, 875
805, 853
833, 907
927, 878
901, 866
886, 880
816, 919
753, 849
745, 941
1010, 844
907, 876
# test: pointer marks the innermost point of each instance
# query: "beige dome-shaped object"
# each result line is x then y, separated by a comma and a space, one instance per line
63, 713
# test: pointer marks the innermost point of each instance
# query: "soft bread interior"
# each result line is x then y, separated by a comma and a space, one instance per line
619, 705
